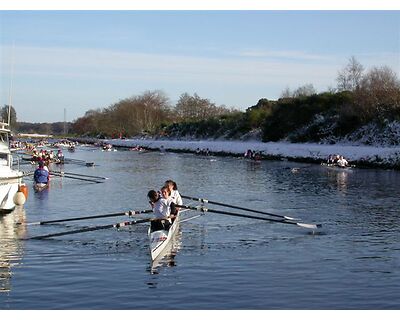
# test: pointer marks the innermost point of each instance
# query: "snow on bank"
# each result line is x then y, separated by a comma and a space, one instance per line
368, 155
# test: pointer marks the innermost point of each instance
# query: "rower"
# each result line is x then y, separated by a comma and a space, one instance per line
60, 155
41, 175
175, 197
342, 162
161, 205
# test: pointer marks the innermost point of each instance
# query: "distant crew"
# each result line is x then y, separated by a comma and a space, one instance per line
248, 154
337, 160
253, 155
331, 159
203, 152
60, 156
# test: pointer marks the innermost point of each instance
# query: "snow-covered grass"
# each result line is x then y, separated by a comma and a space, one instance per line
387, 157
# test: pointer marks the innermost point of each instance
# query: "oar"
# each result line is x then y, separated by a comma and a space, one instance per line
107, 215
240, 208
304, 225
74, 160
77, 178
81, 175
88, 229
79, 162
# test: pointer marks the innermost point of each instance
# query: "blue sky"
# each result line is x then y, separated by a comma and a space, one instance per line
81, 60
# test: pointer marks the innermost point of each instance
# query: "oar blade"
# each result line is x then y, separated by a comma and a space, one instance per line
309, 225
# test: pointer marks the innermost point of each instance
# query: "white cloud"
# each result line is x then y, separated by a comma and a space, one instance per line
90, 63
293, 55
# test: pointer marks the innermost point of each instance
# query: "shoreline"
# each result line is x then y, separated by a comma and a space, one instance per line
361, 156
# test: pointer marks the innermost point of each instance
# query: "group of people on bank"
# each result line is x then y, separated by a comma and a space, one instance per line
164, 204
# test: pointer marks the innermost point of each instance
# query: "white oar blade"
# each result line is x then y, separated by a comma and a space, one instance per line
291, 218
309, 226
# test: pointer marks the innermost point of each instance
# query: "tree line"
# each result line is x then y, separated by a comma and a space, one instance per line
148, 113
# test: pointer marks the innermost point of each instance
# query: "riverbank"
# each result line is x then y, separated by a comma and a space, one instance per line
362, 156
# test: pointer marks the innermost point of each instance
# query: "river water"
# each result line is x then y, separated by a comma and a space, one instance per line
217, 261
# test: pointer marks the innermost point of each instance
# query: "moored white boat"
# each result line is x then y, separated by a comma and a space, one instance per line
10, 179
160, 239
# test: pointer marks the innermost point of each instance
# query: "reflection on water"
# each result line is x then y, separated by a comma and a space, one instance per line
168, 258
338, 177
11, 248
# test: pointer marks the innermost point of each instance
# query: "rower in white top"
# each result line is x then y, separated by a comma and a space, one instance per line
342, 162
174, 197
161, 205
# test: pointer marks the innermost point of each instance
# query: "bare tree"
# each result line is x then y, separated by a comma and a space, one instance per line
286, 93
196, 108
349, 78
378, 93
304, 91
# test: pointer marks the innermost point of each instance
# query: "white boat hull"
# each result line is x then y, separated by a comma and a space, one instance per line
8, 189
336, 167
160, 239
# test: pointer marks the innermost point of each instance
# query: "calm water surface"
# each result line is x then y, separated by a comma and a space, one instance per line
217, 262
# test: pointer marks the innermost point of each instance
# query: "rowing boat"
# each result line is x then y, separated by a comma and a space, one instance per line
160, 239
335, 166
39, 187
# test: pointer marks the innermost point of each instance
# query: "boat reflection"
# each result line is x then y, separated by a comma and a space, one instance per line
11, 247
167, 257
339, 177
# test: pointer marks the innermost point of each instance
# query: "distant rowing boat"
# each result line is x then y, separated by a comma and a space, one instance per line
39, 187
335, 166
